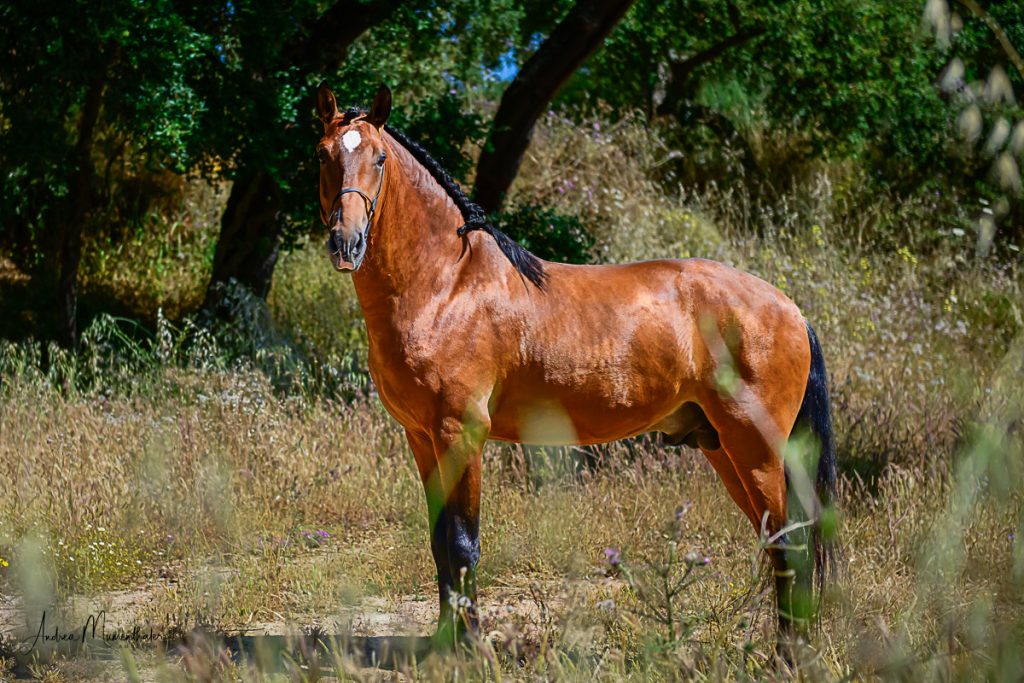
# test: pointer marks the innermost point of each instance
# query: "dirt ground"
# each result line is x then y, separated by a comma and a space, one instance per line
362, 630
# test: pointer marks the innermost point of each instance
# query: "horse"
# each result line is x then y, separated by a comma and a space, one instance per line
472, 337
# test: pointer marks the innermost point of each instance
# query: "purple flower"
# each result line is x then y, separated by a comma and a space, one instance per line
612, 556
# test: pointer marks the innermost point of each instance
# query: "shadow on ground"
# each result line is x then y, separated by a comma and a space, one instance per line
201, 650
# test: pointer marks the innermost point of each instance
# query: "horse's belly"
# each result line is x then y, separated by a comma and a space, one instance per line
550, 422
593, 405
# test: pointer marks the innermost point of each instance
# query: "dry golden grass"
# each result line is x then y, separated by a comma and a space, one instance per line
210, 484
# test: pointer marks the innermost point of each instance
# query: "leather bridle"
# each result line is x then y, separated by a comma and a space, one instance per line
371, 204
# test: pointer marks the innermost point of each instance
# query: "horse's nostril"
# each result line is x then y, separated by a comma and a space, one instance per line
347, 248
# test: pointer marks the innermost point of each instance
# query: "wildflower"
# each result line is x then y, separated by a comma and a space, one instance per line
4, 563
907, 256
613, 556
694, 560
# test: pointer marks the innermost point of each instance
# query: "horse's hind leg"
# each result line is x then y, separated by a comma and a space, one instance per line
688, 425
719, 459
751, 443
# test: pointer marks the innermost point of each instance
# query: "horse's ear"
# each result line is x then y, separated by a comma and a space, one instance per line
381, 107
326, 105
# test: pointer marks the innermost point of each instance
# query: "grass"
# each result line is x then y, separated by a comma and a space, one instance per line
248, 477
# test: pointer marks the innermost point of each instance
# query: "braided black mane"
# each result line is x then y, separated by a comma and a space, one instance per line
525, 263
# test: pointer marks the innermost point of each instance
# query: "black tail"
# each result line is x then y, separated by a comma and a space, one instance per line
816, 414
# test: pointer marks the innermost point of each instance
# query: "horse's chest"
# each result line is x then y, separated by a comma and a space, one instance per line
408, 383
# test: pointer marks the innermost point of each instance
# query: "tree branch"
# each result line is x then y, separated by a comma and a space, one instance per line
325, 44
254, 202
1000, 34
681, 71
575, 38
734, 16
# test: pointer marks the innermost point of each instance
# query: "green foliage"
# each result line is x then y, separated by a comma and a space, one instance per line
547, 233
211, 88
137, 56
118, 355
873, 65
854, 79
446, 130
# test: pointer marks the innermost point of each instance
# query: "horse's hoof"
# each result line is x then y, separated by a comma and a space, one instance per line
788, 649
450, 636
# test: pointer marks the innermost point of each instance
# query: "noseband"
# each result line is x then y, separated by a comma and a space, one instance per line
371, 204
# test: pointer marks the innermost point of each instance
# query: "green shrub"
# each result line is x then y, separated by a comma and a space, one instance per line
547, 233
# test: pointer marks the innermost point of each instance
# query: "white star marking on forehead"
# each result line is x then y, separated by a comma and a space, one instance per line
351, 140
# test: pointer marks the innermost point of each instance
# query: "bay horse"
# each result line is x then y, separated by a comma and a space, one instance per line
471, 338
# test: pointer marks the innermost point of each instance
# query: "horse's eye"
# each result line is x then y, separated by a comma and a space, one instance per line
321, 154
381, 158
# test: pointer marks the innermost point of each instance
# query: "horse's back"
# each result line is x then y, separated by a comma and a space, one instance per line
696, 296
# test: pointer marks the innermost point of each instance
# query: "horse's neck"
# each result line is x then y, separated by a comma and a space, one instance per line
413, 248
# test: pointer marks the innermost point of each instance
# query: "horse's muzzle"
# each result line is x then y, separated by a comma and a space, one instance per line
346, 253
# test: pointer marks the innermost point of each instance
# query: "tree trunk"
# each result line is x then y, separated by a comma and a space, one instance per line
250, 229
68, 225
574, 39
249, 238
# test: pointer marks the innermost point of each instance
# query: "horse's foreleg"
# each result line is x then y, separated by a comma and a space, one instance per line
458, 446
430, 475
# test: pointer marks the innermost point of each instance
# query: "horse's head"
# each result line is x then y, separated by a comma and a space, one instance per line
352, 157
